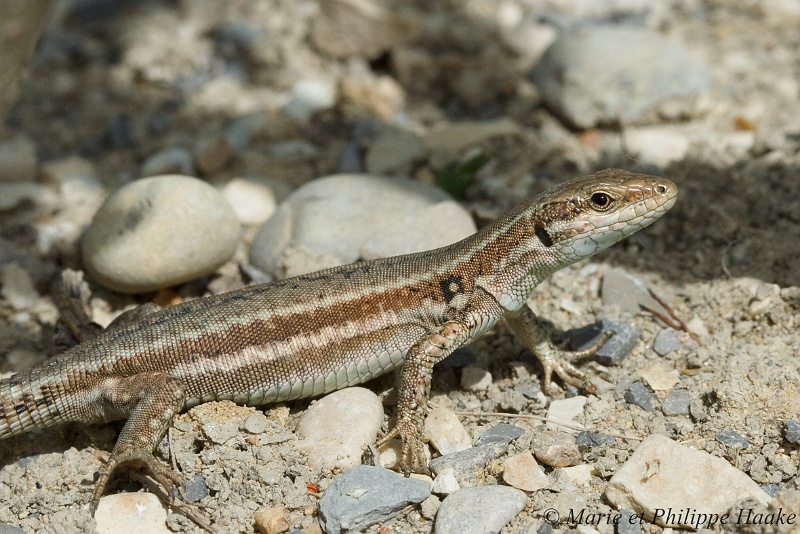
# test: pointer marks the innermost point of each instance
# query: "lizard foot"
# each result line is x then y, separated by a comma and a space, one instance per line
559, 362
412, 457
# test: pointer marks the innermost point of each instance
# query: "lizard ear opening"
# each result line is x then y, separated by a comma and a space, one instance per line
541, 233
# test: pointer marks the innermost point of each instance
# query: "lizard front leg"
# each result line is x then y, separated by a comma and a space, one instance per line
527, 327
150, 401
414, 390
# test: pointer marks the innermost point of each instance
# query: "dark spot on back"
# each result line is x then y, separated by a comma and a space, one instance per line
451, 286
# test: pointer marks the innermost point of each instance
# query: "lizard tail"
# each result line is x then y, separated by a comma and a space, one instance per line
22, 409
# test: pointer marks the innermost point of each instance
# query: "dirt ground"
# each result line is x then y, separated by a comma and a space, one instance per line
114, 82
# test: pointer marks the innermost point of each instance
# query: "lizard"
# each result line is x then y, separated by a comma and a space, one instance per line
312, 334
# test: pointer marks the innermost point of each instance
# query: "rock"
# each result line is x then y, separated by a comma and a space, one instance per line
639, 395
468, 465
660, 376
158, 232
392, 149
565, 411
677, 402
475, 379
655, 146
501, 433
195, 489
356, 28
213, 155
331, 221
17, 287
253, 202
663, 474
522, 472
365, 496
309, 97
445, 483
791, 430
613, 351
14, 193
448, 141
731, 438
10, 529
330, 444
588, 440
579, 474
170, 160
255, 424
666, 341
482, 510
617, 74
627, 292
273, 520
132, 513
17, 160
446, 432
556, 449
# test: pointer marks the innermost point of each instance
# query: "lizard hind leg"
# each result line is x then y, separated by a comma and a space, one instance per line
156, 398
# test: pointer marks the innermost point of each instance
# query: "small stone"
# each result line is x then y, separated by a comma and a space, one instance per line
613, 351
639, 395
445, 483
253, 202
17, 160
309, 97
579, 474
565, 411
677, 402
171, 160
17, 287
475, 379
628, 523
627, 292
195, 489
662, 473
213, 155
501, 433
791, 430
255, 424
666, 341
15, 193
428, 508
329, 221
619, 74
522, 472
468, 465
392, 149
656, 146
448, 141
483, 510
589, 440
132, 513
367, 495
660, 376
272, 520
445, 431
10, 529
771, 489
556, 449
220, 433
330, 444
159, 232
731, 438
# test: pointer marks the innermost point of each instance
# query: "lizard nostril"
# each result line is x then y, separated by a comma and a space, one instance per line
661, 189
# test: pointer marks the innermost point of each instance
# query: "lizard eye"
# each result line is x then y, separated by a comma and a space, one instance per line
601, 201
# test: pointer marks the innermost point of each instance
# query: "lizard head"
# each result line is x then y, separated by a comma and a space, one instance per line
585, 215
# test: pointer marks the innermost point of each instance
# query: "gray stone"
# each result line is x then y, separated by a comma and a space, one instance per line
468, 465
613, 351
618, 74
10, 529
502, 433
628, 523
308, 97
365, 496
481, 510
195, 488
791, 429
641, 396
666, 341
556, 449
771, 489
343, 218
589, 440
677, 402
158, 232
17, 159
627, 292
731, 438
392, 149
170, 160
15, 193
